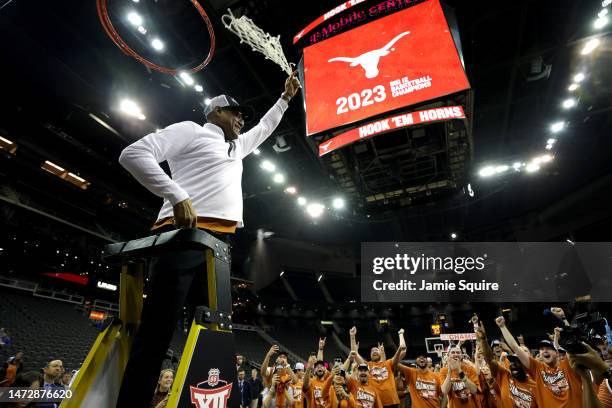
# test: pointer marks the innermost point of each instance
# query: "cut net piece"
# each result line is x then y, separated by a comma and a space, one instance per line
258, 39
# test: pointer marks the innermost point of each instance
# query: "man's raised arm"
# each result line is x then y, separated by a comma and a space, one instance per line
510, 341
401, 350
355, 345
260, 132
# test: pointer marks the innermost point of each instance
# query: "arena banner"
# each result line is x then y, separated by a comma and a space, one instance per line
457, 336
389, 124
486, 272
320, 20
396, 61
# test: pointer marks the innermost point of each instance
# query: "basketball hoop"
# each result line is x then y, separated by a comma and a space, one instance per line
114, 35
258, 39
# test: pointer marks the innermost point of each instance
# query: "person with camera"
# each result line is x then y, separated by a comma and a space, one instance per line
558, 385
340, 396
271, 400
282, 368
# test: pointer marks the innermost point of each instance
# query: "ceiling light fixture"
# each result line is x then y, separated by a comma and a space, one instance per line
315, 210
186, 78
157, 44
569, 103
487, 171
590, 46
279, 178
268, 165
557, 127
338, 203
134, 18
579, 77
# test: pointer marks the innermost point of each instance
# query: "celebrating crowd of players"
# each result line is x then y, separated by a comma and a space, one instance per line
501, 374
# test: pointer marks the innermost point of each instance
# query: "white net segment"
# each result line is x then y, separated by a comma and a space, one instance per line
258, 39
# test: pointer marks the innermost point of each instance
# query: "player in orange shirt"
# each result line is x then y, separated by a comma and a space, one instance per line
605, 393
317, 382
282, 368
558, 385
339, 393
515, 387
459, 381
423, 383
365, 395
381, 371
296, 389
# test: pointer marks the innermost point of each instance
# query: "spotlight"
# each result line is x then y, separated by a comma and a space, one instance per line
602, 13
290, 190
198, 88
606, 3
315, 210
453, 236
268, 165
551, 141
256, 152
487, 171
579, 77
501, 169
569, 103
549, 147
532, 167
278, 178
186, 78
131, 108
573, 87
338, 203
301, 201
134, 18
545, 158
557, 127
157, 44
590, 46
142, 30
207, 101
601, 22
517, 166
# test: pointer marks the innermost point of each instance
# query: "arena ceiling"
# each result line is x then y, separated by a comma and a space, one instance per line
63, 79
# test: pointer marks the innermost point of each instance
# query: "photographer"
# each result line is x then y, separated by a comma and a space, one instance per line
282, 368
340, 397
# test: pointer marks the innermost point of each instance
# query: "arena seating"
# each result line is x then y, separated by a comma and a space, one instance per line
44, 330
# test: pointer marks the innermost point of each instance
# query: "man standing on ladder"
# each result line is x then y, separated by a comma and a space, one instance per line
205, 191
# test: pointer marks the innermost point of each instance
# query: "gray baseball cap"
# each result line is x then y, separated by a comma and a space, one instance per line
226, 101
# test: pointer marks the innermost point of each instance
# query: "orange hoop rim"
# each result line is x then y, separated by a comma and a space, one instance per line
114, 35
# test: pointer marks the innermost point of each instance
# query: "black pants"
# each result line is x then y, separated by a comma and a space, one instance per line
178, 279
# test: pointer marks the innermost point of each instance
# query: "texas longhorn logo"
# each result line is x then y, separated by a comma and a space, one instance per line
211, 397
369, 60
325, 146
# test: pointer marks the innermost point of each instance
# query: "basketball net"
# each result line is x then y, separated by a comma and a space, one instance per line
258, 39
